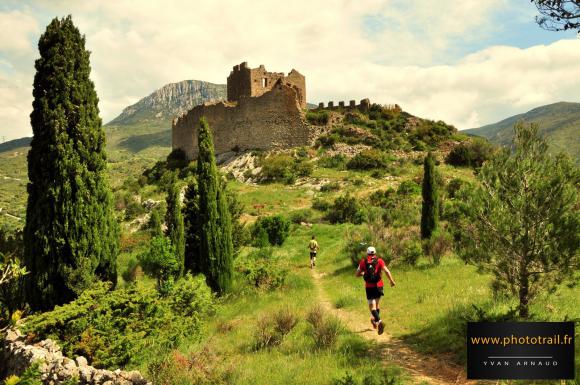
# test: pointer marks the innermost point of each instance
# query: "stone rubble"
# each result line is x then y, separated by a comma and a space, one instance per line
16, 356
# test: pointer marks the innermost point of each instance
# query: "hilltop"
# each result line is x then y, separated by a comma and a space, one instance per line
560, 122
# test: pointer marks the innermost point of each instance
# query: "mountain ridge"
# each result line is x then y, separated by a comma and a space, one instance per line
559, 122
171, 100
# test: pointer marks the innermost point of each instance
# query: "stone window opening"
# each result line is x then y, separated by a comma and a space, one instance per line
264, 82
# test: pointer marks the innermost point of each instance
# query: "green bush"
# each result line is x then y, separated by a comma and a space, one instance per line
123, 327
454, 186
318, 118
408, 187
323, 329
470, 153
160, 262
337, 161
321, 204
284, 168
412, 253
356, 245
299, 216
277, 227
130, 273
367, 160
330, 186
437, 245
327, 141
260, 270
133, 208
346, 208
273, 327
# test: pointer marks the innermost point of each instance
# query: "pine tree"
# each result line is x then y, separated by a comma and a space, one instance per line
522, 219
174, 220
430, 208
192, 229
71, 234
216, 248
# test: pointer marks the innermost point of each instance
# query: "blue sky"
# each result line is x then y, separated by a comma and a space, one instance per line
469, 63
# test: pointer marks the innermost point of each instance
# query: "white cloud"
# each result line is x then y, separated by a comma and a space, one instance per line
139, 47
17, 27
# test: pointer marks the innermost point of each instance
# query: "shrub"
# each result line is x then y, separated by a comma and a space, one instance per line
259, 237
161, 263
412, 253
330, 186
356, 245
299, 216
436, 246
337, 161
265, 334
346, 208
470, 153
272, 328
284, 168
355, 117
191, 297
285, 320
277, 227
321, 204
327, 141
367, 160
326, 331
315, 316
278, 168
130, 273
260, 269
454, 186
133, 208
122, 327
318, 118
197, 367
408, 187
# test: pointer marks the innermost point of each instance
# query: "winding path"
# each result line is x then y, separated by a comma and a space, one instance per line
422, 368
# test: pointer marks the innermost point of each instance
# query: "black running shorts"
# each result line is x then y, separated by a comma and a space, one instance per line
312, 254
374, 292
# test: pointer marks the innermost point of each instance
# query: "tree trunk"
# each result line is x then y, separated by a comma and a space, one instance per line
524, 293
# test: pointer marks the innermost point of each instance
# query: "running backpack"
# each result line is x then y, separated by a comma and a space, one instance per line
372, 274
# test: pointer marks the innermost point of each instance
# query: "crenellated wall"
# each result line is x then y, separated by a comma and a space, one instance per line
273, 120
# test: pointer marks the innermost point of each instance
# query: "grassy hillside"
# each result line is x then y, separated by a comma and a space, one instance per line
560, 122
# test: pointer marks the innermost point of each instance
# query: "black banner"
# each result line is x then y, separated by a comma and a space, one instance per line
520, 350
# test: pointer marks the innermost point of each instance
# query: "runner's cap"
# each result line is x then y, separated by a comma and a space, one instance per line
371, 250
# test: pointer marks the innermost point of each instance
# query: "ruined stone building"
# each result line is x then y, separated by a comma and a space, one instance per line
264, 110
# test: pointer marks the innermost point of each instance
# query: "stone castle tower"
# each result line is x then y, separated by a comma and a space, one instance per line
252, 82
264, 110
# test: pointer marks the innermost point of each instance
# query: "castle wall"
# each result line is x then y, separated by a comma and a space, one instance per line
272, 120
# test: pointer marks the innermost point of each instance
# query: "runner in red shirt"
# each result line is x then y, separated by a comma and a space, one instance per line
370, 268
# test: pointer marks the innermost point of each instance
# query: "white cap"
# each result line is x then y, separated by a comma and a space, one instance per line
371, 250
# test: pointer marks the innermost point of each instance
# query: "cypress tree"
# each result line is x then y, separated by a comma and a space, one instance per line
71, 235
174, 220
430, 208
216, 248
191, 220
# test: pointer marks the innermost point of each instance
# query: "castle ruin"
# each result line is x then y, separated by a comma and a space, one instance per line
264, 110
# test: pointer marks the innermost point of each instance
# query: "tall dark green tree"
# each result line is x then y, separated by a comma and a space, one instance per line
192, 229
71, 234
522, 220
430, 208
215, 240
174, 220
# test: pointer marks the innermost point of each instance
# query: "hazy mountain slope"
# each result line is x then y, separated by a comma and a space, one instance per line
15, 143
560, 122
170, 101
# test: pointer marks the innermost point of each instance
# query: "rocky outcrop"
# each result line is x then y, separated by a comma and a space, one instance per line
16, 356
170, 101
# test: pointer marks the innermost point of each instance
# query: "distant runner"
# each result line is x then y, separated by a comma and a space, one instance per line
313, 246
370, 269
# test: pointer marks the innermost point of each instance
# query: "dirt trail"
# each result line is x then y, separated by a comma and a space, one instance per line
422, 368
